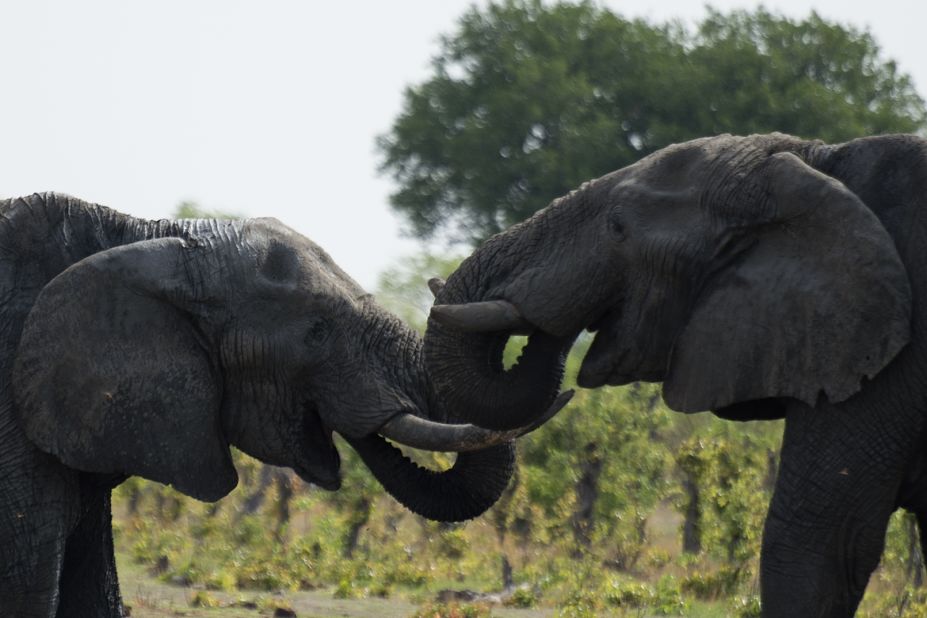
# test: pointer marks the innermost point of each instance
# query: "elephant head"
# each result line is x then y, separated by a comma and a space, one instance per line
154, 356
729, 268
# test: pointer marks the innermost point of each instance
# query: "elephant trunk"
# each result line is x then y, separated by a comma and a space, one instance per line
466, 367
477, 478
469, 376
474, 483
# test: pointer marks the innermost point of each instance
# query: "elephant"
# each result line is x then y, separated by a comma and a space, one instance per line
137, 347
758, 277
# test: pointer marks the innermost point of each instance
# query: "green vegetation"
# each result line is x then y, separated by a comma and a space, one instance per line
527, 100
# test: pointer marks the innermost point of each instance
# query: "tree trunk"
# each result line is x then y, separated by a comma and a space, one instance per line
692, 523
135, 498
915, 566
360, 515
284, 483
772, 469
587, 492
256, 498
500, 521
508, 582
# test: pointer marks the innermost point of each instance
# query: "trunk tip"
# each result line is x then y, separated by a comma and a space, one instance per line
436, 284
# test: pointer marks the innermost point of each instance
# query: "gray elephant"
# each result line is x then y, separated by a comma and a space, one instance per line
135, 347
758, 277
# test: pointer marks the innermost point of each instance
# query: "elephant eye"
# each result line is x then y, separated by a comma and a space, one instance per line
318, 331
615, 223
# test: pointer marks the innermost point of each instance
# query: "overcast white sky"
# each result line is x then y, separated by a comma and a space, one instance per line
263, 107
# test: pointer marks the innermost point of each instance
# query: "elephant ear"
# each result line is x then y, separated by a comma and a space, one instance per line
111, 375
816, 300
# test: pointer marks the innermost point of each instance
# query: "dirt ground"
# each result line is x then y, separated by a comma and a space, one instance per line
149, 598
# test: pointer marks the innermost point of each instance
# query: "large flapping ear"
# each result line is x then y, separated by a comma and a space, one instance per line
111, 375
816, 302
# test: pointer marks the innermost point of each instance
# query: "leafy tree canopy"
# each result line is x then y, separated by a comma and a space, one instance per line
528, 100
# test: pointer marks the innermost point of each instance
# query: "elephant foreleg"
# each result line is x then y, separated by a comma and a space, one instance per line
837, 487
38, 499
89, 587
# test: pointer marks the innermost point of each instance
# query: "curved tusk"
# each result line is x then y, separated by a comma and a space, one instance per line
436, 284
482, 317
558, 404
420, 433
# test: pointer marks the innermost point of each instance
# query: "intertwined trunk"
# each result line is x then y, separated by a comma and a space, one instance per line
466, 368
477, 478
463, 492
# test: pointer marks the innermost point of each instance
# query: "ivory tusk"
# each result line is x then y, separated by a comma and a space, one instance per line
558, 404
421, 433
482, 317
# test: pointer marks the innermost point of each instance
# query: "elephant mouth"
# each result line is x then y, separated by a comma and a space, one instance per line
316, 459
615, 358
600, 364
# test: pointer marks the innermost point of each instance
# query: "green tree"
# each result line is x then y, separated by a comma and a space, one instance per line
527, 100
759, 72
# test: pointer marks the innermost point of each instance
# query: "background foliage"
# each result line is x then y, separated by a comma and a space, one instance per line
618, 505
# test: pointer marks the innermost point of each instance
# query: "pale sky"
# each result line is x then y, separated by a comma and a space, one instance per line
263, 107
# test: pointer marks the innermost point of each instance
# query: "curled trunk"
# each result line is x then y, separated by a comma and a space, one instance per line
463, 492
467, 371
470, 378
477, 478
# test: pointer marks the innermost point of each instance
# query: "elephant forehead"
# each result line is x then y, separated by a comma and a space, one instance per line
286, 256
689, 162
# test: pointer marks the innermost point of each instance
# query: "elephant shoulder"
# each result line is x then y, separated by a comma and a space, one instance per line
889, 174
27, 228
38, 240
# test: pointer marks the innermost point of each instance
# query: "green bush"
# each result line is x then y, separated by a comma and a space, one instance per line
628, 594
746, 607
523, 597
667, 599
711, 586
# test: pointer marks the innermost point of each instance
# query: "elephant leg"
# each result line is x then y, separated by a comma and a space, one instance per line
38, 505
837, 487
89, 587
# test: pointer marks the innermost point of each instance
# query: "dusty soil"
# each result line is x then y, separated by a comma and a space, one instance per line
150, 598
